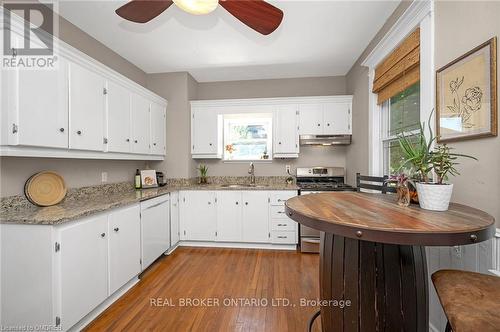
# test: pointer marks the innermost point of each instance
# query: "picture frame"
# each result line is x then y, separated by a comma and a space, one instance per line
466, 95
148, 179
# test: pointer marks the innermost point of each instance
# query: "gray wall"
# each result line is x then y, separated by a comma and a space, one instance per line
357, 85
178, 89
294, 87
461, 26
15, 171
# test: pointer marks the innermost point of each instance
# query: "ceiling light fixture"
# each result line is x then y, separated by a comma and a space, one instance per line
197, 7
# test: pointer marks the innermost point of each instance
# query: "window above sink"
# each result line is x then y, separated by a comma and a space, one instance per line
248, 136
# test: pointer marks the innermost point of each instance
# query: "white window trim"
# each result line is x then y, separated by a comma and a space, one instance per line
419, 14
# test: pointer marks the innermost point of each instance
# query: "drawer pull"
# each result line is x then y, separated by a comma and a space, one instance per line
282, 224
282, 237
281, 211
116, 229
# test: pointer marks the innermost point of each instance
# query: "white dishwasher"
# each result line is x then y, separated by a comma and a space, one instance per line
155, 229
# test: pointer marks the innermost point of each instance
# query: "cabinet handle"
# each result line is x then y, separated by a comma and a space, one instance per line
319, 125
279, 143
135, 141
280, 200
282, 237
281, 211
210, 144
61, 130
103, 234
281, 224
328, 125
237, 203
128, 140
79, 132
154, 144
246, 203
116, 229
209, 203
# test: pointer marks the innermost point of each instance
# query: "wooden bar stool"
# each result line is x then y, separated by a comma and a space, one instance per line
471, 301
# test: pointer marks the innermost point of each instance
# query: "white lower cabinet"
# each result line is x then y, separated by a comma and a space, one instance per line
229, 216
124, 229
198, 215
248, 216
174, 219
255, 216
82, 266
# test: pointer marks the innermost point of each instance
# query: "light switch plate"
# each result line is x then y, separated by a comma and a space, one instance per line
104, 177
287, 169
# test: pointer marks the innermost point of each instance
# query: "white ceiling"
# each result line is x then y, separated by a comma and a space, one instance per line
316, 38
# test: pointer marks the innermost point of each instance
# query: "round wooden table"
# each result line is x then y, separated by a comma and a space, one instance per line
373, 255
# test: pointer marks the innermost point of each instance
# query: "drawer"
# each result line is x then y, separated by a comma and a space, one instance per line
284, 237
280, 197
283, 225
278, 212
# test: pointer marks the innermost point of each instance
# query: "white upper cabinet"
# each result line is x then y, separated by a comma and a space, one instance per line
311, 119
158, 124
286, 133
86, 109
206, 133
337, 118
40, 106
140, 124
118, 119
326, 116
77, 109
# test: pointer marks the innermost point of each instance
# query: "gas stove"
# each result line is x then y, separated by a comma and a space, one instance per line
322, 179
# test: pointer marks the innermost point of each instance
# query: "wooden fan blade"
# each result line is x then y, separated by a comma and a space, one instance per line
142, 11
257, 14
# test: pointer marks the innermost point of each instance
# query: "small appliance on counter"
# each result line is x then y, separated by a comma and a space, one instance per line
313, 180
160, 179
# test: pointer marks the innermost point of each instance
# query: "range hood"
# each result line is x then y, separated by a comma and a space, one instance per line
325, 140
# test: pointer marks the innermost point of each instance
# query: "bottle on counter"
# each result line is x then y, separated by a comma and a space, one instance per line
137, 179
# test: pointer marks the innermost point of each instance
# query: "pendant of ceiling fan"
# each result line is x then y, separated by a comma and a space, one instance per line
256, 14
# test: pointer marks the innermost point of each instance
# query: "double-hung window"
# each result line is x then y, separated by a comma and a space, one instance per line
400, 116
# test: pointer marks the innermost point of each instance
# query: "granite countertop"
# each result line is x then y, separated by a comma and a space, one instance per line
91, 200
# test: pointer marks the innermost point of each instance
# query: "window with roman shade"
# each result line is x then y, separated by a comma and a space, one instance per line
400, 70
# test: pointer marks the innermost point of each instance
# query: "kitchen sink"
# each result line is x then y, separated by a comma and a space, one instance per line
243, 186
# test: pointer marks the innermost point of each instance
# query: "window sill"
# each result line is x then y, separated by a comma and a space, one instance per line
258, 161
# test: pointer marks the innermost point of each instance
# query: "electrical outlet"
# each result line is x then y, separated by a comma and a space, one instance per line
287, 168
104, 177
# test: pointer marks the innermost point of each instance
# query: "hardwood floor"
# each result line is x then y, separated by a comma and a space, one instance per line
233, 277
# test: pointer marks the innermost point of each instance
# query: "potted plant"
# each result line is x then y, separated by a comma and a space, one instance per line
203, 169
424, 161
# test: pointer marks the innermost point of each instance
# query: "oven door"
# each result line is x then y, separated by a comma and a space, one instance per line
309, 237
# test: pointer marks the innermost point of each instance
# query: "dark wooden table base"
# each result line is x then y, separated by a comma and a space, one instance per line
386, 285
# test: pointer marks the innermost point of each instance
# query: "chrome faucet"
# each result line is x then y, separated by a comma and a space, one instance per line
251, 171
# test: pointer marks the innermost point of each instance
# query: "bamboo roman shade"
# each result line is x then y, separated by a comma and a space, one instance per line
400, 70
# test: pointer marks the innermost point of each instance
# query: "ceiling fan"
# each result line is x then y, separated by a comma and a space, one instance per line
256, 14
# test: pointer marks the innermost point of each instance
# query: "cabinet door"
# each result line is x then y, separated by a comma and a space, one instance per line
311, 119
118, 120
86, 109
286, 139
337, 118
124, 246
158, 124
41, 104
204, 132
155, 229
198, 215
229, 223
140, 124
255, 216
174, 219
83, 268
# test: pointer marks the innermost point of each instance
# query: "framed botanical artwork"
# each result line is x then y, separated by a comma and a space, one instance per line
466, 95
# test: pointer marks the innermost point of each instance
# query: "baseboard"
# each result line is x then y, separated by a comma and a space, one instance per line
172, 249
103, 306
238, 245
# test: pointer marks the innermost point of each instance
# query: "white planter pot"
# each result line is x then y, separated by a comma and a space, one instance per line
434, 197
